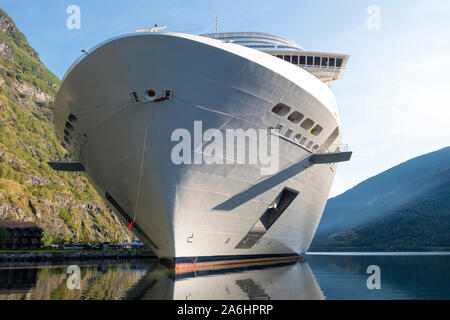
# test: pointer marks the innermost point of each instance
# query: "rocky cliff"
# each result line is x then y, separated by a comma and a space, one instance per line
65, 205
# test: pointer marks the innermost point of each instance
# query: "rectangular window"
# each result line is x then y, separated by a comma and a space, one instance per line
338, 62
295, 59
287, 58
331, 63
307, 124
302, 60
279, 127
288, 133
310, 61
280, 56
302, 142
324, 62
316, 61
134, 96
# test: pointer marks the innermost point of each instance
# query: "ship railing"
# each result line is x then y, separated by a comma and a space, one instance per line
338, 148
275, 132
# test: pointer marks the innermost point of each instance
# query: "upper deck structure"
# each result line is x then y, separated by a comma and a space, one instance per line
325, 66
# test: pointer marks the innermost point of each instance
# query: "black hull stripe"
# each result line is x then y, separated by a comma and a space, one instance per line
134, 225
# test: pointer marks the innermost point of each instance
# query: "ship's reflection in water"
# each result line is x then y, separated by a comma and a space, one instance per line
286, 281
319, 277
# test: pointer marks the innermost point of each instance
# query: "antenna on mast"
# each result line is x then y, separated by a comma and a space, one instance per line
217, 25
156, 28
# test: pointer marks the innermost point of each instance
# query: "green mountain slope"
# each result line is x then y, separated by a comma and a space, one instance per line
422, 222
379, 195
65, 205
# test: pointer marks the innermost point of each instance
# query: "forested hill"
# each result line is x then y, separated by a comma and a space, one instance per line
404, 208
65, 205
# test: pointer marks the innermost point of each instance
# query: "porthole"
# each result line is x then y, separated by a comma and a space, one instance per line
315, 147
150, 93
295, 117
307, 124
73, 119
316, 130
281, 109
309, 144
297, 137
69, 126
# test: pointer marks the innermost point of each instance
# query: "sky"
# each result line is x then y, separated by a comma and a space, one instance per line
393, 97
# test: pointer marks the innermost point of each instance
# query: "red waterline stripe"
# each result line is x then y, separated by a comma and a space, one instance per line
181, 268
129, 227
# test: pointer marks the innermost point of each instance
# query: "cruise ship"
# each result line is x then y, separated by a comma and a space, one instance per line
120, 103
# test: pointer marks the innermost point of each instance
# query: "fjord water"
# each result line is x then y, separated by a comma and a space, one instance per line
318, 277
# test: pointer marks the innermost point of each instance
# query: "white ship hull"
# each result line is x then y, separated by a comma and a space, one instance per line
198, 210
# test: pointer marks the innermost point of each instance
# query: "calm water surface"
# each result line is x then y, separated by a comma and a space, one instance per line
328, 276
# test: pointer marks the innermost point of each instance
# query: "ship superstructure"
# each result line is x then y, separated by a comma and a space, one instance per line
325, 66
